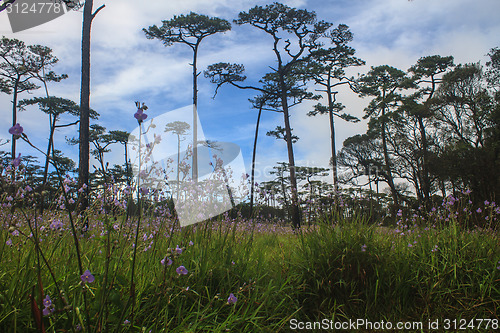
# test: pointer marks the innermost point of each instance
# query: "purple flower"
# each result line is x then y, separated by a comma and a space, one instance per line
178, 250
232, 299
9, 242
87, 277
140, 115
479, 210
181, 270
16, 161
363, 248
47, 301
16, 130
48, 306
166, 261
46, 311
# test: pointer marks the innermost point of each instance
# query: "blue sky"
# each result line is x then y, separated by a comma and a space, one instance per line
127, 67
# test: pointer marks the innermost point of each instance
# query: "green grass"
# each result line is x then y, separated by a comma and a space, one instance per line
340, 270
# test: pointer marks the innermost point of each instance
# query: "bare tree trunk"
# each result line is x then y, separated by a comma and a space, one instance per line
291, 160
195, 115
83, 162
178, 165
127, 170
387, 160
252, 179
331, 100
14, 116
425, 185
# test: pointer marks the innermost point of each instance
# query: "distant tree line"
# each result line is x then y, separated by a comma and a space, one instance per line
433, 131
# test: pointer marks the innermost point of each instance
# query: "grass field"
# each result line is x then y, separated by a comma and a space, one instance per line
235, 275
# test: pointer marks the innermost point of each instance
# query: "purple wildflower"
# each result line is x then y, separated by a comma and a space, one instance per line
47, 301
363, 248
87, 277
181, 270
9, 242
16, 130
178, 250
16, 161
48, 306
140, 115
232, 299
166, 261
46, 311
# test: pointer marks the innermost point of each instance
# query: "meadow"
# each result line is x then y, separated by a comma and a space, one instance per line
106, 252
143, 273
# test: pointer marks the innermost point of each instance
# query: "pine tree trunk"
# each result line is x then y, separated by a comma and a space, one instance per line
387, 161
14, 116
291, 161
83, 163
195, 116
252, 179
332, 136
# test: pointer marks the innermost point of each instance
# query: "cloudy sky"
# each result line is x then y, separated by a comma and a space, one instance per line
127, 67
